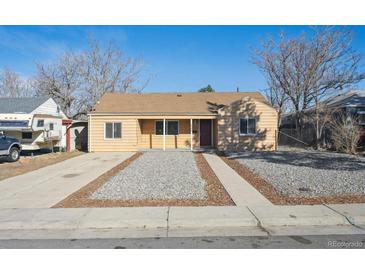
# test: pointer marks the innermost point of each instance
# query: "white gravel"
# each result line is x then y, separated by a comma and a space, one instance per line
156, 175
308, 173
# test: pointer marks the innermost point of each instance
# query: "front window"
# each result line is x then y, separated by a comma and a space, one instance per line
159, 128
172, 128
113, 130
51, 126
247, 126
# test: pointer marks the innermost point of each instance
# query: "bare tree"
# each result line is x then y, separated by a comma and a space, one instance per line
278, 99
308, 70
13, 85
77, 80
108, 70
345, 133
62, 81
320, 119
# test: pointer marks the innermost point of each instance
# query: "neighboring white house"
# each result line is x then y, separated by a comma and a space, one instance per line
37, 122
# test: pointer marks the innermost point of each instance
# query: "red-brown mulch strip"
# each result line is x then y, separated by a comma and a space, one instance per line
217, 195
277, 198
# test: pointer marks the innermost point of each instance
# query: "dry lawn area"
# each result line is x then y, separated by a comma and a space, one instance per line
27, 164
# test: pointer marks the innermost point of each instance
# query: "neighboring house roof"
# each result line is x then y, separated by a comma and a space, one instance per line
354, 98
169, 103
351, 98
21, 105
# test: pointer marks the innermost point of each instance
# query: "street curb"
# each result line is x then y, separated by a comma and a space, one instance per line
354, 213
315, 215
88, 223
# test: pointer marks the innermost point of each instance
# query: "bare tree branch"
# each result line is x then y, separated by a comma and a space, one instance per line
77, 80
62, 81
309, 70
12, 85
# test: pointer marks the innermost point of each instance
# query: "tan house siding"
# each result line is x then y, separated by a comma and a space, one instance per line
147, 138
228, 126
97, 142
138, 131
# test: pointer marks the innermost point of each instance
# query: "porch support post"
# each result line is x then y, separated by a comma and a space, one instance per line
191, 134
164, 135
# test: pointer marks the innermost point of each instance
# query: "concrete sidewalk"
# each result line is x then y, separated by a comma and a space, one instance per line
93, 223
241, 192
47, 186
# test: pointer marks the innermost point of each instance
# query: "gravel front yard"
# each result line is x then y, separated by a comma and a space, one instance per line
156, 175
308, 173
153, 179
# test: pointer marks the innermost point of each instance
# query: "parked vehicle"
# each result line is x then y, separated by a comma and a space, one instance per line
36, 122
10, 147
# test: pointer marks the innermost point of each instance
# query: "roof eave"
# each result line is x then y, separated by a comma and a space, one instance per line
152, 113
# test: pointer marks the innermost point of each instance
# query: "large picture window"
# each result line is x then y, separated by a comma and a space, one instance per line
172, 128
113, 130
159, 128
247, 126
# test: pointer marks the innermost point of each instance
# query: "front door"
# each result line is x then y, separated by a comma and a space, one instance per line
205, 133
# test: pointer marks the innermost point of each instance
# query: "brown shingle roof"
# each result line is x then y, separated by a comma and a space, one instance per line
168, 103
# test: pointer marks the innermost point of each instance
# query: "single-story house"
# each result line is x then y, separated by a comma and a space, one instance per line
232, 121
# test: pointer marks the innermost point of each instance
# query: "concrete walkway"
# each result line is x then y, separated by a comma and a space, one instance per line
45, 187
241, 192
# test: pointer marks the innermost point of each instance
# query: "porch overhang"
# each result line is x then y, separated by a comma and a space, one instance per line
158, 116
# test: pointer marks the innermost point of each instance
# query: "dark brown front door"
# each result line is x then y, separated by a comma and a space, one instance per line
205, 133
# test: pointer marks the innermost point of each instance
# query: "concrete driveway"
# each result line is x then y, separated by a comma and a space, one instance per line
45, 187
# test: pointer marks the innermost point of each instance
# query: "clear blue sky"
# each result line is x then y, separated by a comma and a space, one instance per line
179, 58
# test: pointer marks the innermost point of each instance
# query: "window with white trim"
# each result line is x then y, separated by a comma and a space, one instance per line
113, 130
247, 126
172, 128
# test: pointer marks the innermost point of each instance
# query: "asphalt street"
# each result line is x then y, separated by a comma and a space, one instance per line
320, 241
